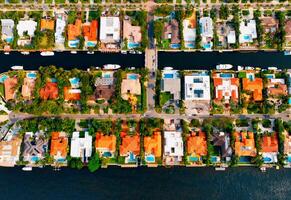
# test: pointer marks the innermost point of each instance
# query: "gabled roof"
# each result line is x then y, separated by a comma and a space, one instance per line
153, 144
59, 144
105, 142
28, 88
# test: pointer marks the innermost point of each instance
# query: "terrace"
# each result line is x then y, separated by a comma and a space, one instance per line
153, 147
171, 83
226, 34
206, 32
47, 24
171, 33
221, 141
189, 31
105, 145
61, 21
130, 87
110, 31
28, 86
276, 87
288, 32
59, 146
49, 91
104, 86
248, 32
253, 85
74, 31
129, 147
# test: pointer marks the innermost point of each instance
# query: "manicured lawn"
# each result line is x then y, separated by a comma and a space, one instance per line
2, 89
72, 17
166, 44
2, 1
73, 1
48, 1
60, 1
242, 74
178, 1
43, 42
165, 97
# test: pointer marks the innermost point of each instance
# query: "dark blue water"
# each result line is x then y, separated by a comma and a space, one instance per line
146, 183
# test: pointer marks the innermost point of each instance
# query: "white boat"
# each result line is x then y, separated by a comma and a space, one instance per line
239, 68
132, 52
132, 68
249, 68
224, 66
219, 169
168, 68
287, 53
97, 67
6, 53
47, 53
139, 52
25, 53
73, 52
90, 52
124, 52
27, 169
272, 68
16, 67
111, 66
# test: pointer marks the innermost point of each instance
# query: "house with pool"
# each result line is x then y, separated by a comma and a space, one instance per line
73, 92
105, 145
171, 84
248, 32
10, 84
129, 147
105, 86
7, 29
196, 145
59, 148
35, 146
10, 150
131, 34
110, 32
81, 146
206, 25
276, 87
90, 30
244, 146
74, 32
50, 91
171, 37
173, 147
252, 87
61, 22
287, 147
189, 31
222, 149
28, 86
269, 151
25, 30
153, 148
131, 88
288, 33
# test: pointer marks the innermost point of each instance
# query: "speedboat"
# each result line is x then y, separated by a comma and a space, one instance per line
249, 68
6, 53
224, 66
16, 67
47, 53
168, 68
90, 52
123, 52
287, 53
111, 66
272, 68
239, 68
132, 52
25, 53
139, 52
73, 52
27, 168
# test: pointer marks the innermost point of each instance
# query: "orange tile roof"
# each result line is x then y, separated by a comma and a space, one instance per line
49, 91
217, 81
71, 96
197, 144
130, 144
277, 89
105, 141
90, 31
234, 81
74, 30
47, 24
153, 144
10, 84
255, 86
269, 143
245, 144
59, 145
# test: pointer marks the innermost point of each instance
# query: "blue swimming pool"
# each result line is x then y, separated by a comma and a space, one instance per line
289, 159
73, 43
207, 46
131, 158
61, 160
267, 159
289, 101
190, 45
247, 37
251, 77
168, 75
106, 154
193, 158
9, 40
213, 159
34, 158
74, 81
150, 158
132, 45
31, 75
106, 75
3, 78
132, 76
269, 76
175, 46
53, 80
225, 75
244, 159
91, 44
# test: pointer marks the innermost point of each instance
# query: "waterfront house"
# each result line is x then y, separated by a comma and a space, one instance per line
269, 144
171, 82
110, 32
28, 86
225, 87
129, 147
90, 33
130, 87
25, 31
248, 31
189, 31
287, 146
153, 147
132, 34
253, 86
81, 146
105, 145
196, 145
173, 147
9, 150
105, 86
61, 21
59, 147
171, 33
74, 32
225, 33
35, 146
10, 88
206, 26
221, 143
288, 32
7, 30
47, 24
269, 24
276, 87
244, 145
50, 91
72, 93
197, 87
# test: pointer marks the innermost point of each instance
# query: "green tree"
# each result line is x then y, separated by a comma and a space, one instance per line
94, 163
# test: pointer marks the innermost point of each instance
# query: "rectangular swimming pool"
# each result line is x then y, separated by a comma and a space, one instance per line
132, 76
150, 158
225, 75
168, 75
31, 75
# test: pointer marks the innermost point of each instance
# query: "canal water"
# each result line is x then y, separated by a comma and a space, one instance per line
208, 60
146, 183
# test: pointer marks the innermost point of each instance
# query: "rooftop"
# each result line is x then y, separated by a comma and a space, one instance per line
245, 144
222, 140
269, 143
277, 87
206, 27
35, 146
10, 84
90, 30
248, 31
72, 94
255, 86
81, 147
130, 86
49, 91
28, 86
129, 144
153, 144
74, 30
59, 145
197, 144
9, 151
197, 87
7, 28
171, 31
105, 143
109, 29
131, 33
47, 24
171, 82
26, 26
173, 144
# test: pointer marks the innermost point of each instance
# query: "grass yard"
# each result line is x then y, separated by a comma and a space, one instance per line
2, 89
165, 97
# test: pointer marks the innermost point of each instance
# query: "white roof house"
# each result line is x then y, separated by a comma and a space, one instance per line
173, 144
206, 27
7, 28
60, 28
197, 87
231, 37
28, 26
188, 32
81, 147
109, 29
248, 31
171, 82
